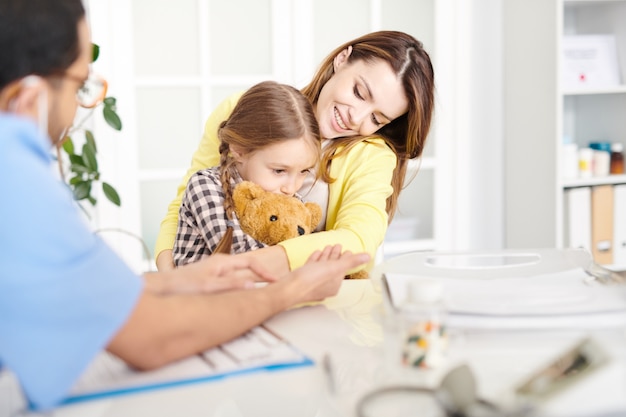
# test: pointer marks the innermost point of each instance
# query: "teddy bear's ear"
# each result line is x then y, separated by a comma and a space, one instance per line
316, 214
245, 192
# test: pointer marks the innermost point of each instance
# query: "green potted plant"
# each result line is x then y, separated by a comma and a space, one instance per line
82, 172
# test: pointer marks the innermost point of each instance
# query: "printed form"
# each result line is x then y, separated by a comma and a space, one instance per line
257, 350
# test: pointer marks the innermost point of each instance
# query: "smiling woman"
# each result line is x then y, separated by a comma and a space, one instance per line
373, 99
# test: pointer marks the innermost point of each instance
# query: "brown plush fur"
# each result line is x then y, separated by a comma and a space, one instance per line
271, 218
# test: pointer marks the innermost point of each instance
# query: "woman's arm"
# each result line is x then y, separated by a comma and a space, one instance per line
207, 155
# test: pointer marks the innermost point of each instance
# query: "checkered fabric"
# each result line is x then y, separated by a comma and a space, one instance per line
202, 220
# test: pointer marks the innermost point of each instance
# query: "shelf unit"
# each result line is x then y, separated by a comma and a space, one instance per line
539, 112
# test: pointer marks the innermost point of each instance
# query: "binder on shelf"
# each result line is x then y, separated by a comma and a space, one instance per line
619, 226
578, 218
602, 223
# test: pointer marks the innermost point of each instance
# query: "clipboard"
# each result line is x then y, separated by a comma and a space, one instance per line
259, 350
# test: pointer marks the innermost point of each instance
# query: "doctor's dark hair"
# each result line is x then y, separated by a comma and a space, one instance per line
38, 37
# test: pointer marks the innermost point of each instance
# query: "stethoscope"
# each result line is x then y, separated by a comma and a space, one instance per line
455, 397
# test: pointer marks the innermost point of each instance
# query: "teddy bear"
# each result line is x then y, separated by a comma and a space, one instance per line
271, 218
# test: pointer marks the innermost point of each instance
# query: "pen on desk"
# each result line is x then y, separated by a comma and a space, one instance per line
329, 373
388, 292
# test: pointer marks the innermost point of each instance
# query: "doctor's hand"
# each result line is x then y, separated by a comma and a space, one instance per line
219, 272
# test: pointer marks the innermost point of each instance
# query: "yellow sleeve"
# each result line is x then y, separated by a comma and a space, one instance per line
357, 218
207, 155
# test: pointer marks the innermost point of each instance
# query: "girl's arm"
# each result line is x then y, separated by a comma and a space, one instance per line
202, 221
207, 155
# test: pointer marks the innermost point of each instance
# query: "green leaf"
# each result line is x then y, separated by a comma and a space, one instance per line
82, 190
68, 146
89, 157
91, 140
92, 200
75, 180
110, 101
79, 169
111, 194
76, 160
112, 118
95, 52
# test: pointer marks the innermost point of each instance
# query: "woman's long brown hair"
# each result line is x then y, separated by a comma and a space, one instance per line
406, 135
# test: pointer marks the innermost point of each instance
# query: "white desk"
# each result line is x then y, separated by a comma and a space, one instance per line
349, 326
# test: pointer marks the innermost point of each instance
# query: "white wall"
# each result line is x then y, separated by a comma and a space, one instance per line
470, 47
479, 127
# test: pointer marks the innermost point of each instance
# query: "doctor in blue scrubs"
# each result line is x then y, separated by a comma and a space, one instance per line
64, 295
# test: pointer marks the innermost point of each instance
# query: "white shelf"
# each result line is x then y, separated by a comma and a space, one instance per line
586, 182
590, 2
589, 91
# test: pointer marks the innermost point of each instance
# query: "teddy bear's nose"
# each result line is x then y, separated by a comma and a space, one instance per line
300, 230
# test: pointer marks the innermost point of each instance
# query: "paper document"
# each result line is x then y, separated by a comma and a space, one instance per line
561, 299
589, 61
259, 349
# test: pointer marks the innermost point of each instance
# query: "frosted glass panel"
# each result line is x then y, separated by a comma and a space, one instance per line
429, 149
416, 202
337, 22
169, 125
218, 94
155, 196
166, 37
415, 17
240, 37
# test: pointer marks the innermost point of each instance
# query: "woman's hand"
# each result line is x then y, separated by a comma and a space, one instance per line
216, 273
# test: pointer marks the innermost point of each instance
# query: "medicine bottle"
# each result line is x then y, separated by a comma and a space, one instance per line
617, 158
424, 337
569, 158
585, 159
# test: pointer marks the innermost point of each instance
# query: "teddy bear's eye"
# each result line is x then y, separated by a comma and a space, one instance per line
273, 218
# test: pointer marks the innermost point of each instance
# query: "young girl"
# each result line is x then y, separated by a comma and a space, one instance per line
272, 139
